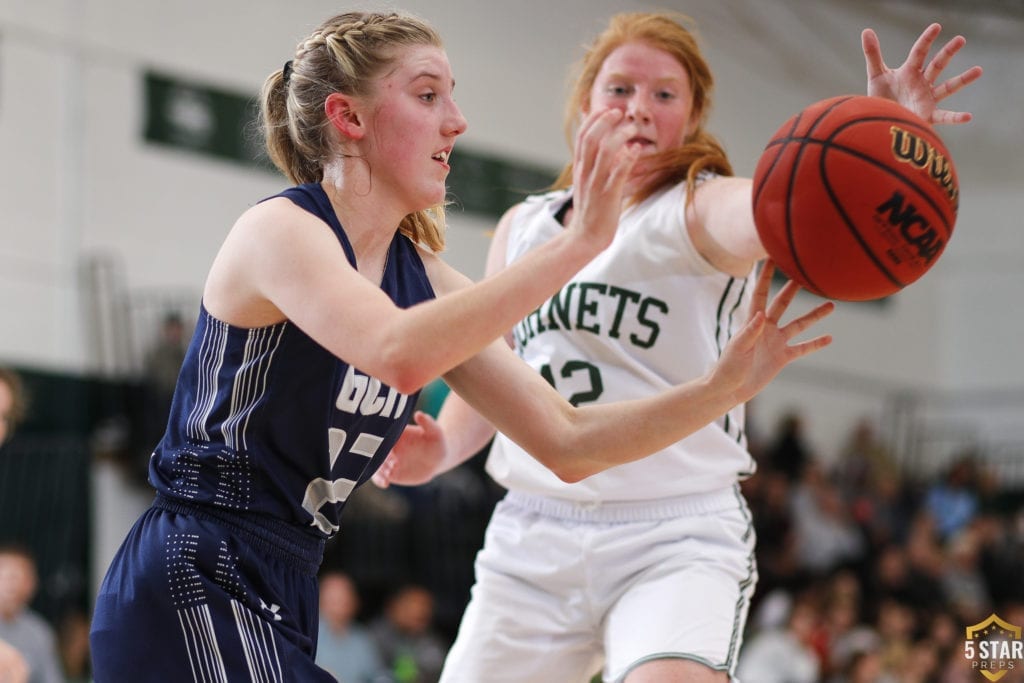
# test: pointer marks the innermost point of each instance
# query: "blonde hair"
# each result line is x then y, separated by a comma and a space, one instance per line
345, 54
664, 31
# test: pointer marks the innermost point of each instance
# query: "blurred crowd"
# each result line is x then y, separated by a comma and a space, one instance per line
867, 574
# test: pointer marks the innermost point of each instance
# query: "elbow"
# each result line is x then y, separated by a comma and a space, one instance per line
406, 380
571, 475
565, 465
401, 370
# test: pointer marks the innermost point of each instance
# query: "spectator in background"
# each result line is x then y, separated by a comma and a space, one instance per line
404, 634
20, 627
163, 361
73, 645
162, 365
12, 402
788, 451
953, 501
782, 653
962, 579
825, 533
12, 399
344, 646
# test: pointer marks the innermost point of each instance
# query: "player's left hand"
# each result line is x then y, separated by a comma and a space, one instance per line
913, 83
765, 345
417, 455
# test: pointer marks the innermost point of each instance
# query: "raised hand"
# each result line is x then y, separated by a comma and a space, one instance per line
602, 162
762, 347
912, 84
415, 458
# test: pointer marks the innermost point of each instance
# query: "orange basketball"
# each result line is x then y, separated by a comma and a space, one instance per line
855, 197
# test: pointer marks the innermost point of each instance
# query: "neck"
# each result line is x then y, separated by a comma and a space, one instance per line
370, 228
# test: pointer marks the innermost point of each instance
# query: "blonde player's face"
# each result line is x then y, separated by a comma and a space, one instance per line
653, 89
414, 125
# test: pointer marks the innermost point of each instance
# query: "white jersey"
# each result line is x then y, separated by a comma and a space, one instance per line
648, 313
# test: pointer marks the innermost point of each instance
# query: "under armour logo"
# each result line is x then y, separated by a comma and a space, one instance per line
273, 609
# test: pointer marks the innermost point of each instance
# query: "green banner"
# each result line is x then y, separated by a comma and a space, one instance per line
215, 122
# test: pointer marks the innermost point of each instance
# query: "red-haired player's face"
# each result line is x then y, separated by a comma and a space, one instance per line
415, 123
653, 89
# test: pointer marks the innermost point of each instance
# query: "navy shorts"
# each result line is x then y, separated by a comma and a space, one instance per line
199, 594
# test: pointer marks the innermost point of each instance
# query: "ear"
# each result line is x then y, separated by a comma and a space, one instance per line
344, 115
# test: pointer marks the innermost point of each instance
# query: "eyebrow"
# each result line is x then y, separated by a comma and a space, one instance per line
432, 75
664, 79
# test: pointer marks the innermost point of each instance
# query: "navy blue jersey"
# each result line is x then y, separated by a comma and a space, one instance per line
267, 421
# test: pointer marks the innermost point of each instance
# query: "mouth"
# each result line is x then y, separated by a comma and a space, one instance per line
442, 156
640, 142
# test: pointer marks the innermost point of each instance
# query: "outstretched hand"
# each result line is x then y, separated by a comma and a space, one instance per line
602, 162
415, 457
762, 347
912, 84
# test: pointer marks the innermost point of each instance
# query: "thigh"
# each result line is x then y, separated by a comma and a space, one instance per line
691, 599
187, 600
527, 619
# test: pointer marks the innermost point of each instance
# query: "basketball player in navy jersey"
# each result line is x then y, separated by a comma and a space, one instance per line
645, 569
317, 328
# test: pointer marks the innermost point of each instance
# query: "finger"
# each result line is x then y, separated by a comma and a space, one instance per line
382, 477
612, 150
872, 53
778, 305
805, 321
956, 83
810, 346
583, 153
763, 286
919, 50
946, 117
622, 168
595, 126
747, 337
941, 60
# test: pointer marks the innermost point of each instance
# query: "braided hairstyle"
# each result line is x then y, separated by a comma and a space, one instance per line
664, 31
345, 54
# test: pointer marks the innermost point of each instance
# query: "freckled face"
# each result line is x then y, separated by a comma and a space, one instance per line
415, 121
653, 90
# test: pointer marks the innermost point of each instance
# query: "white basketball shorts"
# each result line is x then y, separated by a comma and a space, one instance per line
565, 590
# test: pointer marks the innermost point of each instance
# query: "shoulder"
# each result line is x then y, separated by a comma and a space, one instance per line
276, 216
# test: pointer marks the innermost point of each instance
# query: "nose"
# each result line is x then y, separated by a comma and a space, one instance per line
637, 111
457, 123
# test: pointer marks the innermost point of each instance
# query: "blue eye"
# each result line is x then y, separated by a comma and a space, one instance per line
428, 97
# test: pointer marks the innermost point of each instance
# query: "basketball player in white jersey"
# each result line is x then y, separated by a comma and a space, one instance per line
645, 569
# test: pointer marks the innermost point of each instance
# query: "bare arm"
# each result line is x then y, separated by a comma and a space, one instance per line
280, 262
429, 448
575, 443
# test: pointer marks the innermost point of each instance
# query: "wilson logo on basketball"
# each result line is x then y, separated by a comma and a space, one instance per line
918, 152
